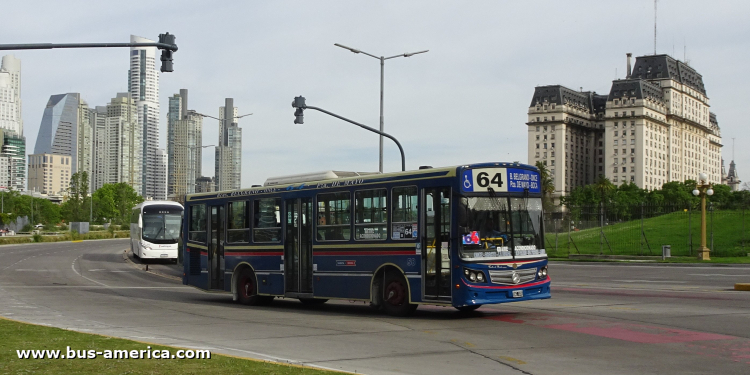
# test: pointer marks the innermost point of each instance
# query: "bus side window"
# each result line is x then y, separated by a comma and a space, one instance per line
266, 220
238, 222
334, 216
370, 219
404, 213
197, 230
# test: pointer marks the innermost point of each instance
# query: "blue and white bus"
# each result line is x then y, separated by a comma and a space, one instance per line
155, 229
457, 236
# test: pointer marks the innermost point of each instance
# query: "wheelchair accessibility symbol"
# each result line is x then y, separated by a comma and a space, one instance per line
468, 185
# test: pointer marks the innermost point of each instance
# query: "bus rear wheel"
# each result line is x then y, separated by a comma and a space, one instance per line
396, 297
247, 290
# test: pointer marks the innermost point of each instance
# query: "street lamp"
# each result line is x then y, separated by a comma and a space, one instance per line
382, 69
703, 189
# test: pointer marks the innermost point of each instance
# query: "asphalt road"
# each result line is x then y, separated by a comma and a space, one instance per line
602, 319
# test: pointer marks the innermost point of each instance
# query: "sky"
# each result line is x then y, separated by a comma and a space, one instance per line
464, 101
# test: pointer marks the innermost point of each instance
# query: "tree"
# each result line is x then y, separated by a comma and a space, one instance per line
77, 206
548, 187
604, 187
115, 201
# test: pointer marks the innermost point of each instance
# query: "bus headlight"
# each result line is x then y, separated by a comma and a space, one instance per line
480, 277
474, 276
542, 272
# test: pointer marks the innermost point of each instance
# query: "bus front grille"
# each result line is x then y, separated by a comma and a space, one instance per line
506, 277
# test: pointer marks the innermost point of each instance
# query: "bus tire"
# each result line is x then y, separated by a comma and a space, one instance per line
396, 296
313, 301
467, 308
247, 289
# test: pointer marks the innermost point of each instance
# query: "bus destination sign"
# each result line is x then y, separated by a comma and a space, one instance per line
501, 180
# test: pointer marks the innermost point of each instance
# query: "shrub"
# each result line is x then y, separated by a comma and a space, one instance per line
27, 228
63, 227
37, 237
74, 236
125, 227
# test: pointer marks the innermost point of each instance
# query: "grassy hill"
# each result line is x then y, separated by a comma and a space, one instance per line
680, 230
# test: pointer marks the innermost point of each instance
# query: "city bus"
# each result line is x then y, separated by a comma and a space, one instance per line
155, 230
459, 236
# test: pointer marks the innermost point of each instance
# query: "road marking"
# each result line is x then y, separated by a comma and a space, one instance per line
651, 281
91, 286
511, 359
73, 267
717, 274
32, 270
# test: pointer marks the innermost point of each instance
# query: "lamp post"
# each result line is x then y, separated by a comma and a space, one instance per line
703, 189
382, 70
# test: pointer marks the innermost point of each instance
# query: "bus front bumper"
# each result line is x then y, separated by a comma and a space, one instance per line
491, 294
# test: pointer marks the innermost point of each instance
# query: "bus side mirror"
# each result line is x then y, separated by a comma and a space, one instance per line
140, 221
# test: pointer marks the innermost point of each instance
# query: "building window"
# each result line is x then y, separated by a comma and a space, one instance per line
615, 142
615, 133
632, 113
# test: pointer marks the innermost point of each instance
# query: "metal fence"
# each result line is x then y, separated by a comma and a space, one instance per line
643, 230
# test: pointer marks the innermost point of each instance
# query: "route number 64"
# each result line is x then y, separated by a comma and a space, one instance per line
484, 180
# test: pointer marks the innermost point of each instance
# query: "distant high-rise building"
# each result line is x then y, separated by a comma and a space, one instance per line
229, 150
50, 174
160, 175
118, 144
144, 90
10, 95
184, 146
66, 129
13, 149
652, 127
204, 184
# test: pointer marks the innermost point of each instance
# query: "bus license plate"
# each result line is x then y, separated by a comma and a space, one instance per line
166, 255
517, 293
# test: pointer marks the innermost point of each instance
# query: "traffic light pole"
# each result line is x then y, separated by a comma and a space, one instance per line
171, 47
166, 44
300, 104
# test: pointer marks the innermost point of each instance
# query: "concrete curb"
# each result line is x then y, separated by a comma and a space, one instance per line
742, 286
126, 258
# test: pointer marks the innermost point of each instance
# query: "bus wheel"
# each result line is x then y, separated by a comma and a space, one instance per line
247, 290
468, 308
313, 301
396, 297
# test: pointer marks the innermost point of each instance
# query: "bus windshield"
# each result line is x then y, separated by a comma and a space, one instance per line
161, 228
493, 227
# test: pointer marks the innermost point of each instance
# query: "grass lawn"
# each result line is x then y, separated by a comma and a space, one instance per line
731, 236
19, 336
720, 260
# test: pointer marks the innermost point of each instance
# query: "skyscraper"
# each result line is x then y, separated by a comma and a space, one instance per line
184, 141
66, 129
144, 90
118, 144
160, 184
229, 150
14, 160
10, 95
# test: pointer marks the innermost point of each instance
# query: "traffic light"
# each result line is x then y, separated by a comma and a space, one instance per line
299, 103
166, 54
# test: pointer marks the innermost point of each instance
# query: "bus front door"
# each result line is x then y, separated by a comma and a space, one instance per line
298, 261
436, 265
216, 248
